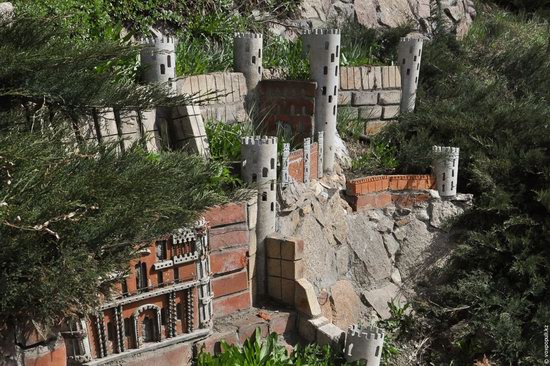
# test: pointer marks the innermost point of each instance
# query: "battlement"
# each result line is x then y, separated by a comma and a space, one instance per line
158, 39
248, 35
446, 150
320, 31
410, 40
259, 140
369, 332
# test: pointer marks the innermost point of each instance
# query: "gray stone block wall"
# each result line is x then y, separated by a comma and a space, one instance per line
371, 93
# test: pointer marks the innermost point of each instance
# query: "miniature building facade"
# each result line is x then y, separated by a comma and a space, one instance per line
364, 344
166, 297
446, 169
247, 57
409, 55
323, 49
259, 167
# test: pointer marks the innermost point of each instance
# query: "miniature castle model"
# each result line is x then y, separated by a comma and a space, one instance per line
159, 58
408, 57
364, 344
247, 56
167, 297
323, 49
259, 167
446, 169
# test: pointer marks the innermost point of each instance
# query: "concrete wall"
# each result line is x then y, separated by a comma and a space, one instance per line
371, 93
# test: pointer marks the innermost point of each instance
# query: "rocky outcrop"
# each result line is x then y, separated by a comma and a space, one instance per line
457, 15
378, 250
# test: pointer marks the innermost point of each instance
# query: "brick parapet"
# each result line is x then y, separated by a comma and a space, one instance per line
382, 190
296, 163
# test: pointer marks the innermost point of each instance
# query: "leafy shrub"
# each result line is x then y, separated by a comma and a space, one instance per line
258, 352
489, 96
225, 139
286, 55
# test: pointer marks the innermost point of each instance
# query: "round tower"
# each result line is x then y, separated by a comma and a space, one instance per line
364, 344
247, 57
446, 169
159, 58
408, 57
323, 49
259, 167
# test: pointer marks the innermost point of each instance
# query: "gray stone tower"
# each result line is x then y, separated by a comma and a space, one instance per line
364, 344
323, 49
159, 58
408, 57
247, 57
259, 167
446, 169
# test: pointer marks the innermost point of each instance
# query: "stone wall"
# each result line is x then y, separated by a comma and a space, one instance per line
358, 261
371, 93
220, 94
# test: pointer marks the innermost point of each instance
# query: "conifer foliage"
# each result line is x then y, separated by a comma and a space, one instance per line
72, 214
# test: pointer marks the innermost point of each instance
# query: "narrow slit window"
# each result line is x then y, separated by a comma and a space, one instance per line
253, 59
272, 185
272, 207
272, 162
324, 90
443, 178
259, 70
264, 172
260, 53
264, 196
336, 71
162, 69
335, 90
332, 57
408, 71
337, 49
377, 352
254, 178
443, 187
452, 185
452, 173
169, 61
330, 98
414, 58
334, 110
325, 70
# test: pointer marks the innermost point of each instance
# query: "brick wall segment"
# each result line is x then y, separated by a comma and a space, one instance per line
229, 236
228, 260
230, 283
231, 213
232, 303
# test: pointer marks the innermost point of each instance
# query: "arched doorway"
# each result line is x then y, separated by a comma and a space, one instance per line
147, 324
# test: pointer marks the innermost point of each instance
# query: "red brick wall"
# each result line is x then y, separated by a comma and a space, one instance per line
229, 240
296, 164
381, 190
290, 102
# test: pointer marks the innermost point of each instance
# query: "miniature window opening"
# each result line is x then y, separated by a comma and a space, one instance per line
147, 329
408, 71
259, 70
324, 90
325, 70
416, 80
254, 178
330, 98
179, 311
162, 69
404, 61
418, 66
272, 163
110, 331
73, 347
337, 50
264, 172
163, 316
141, 276
335, 91
264, 196
414, 59
326, 45
253, 59
272, 185
160, 279
332, 57
336, 71
443, 176
452, 185
443, 187
377, 352
452, 173
127, 326
260, 53
272, 206
334, 110
419, 52
454, 161
169, 61
176, 275
124, 285
161, 250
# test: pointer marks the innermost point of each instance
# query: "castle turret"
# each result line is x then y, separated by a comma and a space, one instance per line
323, 49
259, 167
247, 57
446, 169
364, 344
408, 57
159, 58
